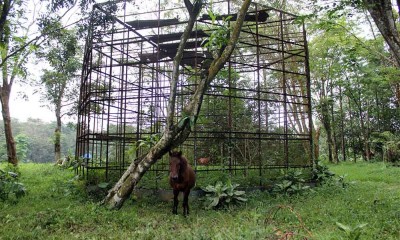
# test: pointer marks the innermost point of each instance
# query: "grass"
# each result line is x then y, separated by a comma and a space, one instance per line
57, 208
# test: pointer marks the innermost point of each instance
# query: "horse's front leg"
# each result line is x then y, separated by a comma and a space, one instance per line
175, 207
186, 203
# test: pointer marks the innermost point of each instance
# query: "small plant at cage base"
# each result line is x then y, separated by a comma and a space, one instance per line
290, 183
221, 195
352, 233
321, 173
10, 188
69, 162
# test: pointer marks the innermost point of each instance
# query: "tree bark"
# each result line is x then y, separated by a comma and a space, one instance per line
326, 122
5, 111
57, 132
333, 128
175, 133
317, 134
343, 140
57, 139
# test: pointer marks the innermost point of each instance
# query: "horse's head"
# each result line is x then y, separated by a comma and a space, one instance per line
177, 165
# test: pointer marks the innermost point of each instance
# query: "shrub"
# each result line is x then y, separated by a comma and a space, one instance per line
221, 194
290, 183
321, 173
10, 188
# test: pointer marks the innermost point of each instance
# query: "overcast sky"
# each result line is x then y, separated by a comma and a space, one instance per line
24, 109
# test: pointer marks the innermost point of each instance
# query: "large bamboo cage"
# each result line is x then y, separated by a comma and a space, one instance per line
255, 116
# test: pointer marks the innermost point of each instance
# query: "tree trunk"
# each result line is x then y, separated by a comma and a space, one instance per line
363, 136
367, 148
317, 134
5, 110
325, 119
333, 129
57, 132
329, 140
57, 141
175, 134
343, 140
326, 122
353, 142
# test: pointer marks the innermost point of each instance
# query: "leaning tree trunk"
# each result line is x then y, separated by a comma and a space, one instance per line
176, 133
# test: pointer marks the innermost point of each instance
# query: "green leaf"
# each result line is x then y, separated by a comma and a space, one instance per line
182, 122
238, 193
343, 227
241, 199
214, 202
103, 185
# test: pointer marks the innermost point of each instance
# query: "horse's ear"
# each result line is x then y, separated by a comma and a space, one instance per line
170, 153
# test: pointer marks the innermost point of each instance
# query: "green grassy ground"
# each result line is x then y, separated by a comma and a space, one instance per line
57, 208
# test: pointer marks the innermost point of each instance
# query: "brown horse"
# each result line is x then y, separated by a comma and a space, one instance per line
181, 179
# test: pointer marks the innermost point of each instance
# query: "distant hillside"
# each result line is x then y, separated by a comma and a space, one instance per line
34, 140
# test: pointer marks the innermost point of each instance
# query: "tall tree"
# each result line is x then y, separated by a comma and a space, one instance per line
176, 132
59, 84
14, 52
16, 45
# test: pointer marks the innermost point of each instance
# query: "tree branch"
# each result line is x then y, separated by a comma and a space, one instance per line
24, 46
194, 106
177, 60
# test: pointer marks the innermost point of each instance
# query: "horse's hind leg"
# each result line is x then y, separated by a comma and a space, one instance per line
175, 207
186, 203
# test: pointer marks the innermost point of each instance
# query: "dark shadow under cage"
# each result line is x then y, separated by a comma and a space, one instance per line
255, 116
